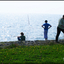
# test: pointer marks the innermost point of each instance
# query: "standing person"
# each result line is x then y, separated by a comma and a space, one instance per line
22, 37
60, 28
46, 26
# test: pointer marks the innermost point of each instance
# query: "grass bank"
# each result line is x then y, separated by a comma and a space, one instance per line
53, 53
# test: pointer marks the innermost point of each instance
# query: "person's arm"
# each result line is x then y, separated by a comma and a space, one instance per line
62, 26
18, 36
43, 26
61, 23
25, 38
49, 26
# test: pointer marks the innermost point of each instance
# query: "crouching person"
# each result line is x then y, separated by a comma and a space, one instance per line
22, 37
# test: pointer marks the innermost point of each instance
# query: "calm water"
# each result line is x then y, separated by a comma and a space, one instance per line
12, 24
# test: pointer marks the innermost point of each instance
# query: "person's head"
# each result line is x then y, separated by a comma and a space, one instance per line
63, 16
46, 21
22, 33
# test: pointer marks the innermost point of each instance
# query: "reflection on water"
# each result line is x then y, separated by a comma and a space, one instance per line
12, 25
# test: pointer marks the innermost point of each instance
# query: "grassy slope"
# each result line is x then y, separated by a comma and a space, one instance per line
33, 54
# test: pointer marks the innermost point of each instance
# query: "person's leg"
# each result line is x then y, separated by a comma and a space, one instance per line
62, 30
19, 38
58, 33
45, 39
45, 34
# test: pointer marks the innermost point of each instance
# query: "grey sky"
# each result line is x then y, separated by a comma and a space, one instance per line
45, 7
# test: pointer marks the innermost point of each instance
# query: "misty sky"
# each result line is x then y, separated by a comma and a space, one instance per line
45, 7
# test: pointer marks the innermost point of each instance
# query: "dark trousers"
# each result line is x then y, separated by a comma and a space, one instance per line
58, 32
19, 38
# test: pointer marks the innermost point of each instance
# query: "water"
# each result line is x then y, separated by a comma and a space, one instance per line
12, 24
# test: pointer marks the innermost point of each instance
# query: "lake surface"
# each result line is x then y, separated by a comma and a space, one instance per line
12, 24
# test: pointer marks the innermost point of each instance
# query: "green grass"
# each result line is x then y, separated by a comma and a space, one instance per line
32, 54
